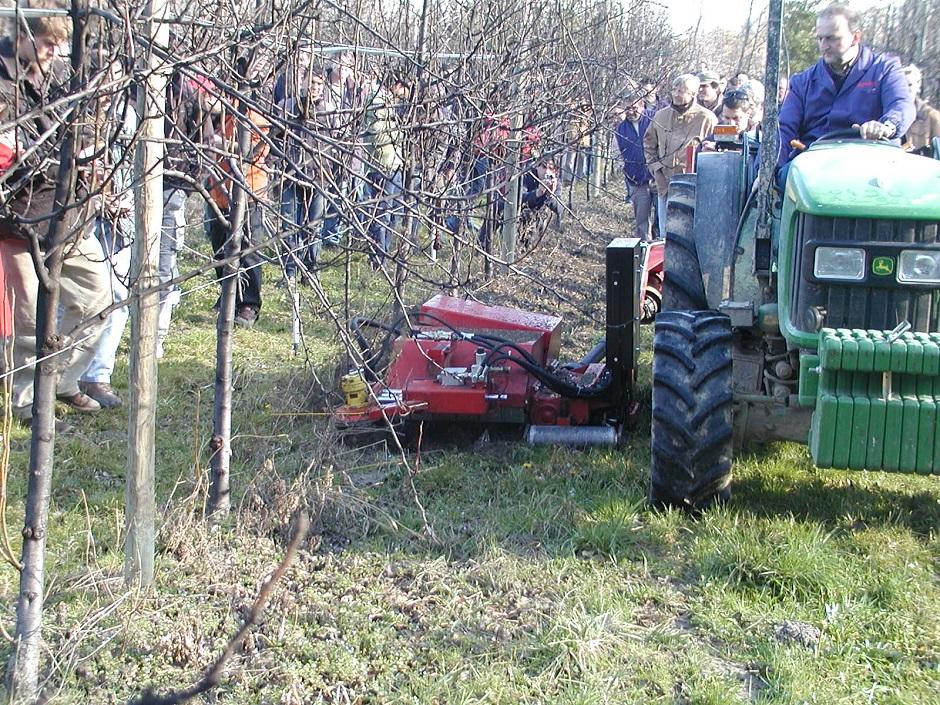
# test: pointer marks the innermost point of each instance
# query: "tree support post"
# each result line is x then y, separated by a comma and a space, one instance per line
511, 211
139, 493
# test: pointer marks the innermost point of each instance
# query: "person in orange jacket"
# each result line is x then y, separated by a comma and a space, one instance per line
221, 183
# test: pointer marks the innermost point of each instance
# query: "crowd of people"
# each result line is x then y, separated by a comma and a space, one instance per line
326, 150
654, 137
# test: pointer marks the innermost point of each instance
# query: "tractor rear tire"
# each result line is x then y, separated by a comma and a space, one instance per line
683, 288
691, 445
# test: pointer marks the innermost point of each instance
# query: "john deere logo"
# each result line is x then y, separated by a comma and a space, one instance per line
882, 266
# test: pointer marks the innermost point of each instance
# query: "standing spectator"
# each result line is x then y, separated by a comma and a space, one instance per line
248, 289
187, 126
755, 91
671, 131
114, 228
737, 108
32, 78
307, 143
343, 93
486, 159
926, 124
637, 178
783, 87
539, 186
709, 91
574, 164
381, 142
737, 81
651, 102
341, 88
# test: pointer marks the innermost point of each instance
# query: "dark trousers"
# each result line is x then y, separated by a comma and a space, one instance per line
248, 289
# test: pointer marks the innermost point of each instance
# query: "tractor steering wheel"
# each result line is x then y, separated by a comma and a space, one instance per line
841, 133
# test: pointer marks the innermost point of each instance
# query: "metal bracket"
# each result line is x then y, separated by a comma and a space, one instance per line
741, 313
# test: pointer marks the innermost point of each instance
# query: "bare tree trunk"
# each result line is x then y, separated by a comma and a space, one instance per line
489, 222
25, 656
769, 146
27, 647
139, 493
220, 463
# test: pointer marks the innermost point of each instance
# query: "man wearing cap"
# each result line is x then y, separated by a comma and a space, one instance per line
849, 87
709, 91
673, 129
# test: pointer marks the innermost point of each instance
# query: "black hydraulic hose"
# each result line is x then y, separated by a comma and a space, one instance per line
514, 347
561, 386
594, 355
371, 359
527, 361
490, 342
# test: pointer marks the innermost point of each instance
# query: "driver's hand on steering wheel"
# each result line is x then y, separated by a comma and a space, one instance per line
875, 130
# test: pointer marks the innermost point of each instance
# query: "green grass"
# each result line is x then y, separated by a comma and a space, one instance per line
550, 580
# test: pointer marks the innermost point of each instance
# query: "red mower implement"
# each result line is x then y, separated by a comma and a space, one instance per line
461, 361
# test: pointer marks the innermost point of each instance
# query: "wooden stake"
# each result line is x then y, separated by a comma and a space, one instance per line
139, 494
511, 210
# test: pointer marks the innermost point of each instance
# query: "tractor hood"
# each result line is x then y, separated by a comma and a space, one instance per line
865, 180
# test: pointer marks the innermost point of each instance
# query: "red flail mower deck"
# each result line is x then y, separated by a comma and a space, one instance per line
465, 361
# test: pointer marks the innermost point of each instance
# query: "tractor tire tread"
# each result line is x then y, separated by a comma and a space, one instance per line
692, 408
683, 287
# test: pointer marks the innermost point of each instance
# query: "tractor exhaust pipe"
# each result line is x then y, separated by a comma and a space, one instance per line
576, 436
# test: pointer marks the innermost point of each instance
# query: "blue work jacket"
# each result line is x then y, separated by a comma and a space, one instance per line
875, 89
630, 145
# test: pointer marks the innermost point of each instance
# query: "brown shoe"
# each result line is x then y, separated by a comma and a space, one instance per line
80, 402
246, 316
103, 393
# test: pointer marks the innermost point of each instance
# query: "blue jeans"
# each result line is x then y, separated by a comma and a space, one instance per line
301, 213
330, 212
473, 187
383, 213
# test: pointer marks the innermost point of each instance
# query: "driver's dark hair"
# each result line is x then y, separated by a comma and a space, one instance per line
837, 9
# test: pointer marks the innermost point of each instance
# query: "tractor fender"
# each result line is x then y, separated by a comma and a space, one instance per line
719, 198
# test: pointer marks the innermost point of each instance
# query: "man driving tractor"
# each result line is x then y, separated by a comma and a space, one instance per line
850, 87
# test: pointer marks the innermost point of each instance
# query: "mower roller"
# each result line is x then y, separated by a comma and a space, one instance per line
461, 361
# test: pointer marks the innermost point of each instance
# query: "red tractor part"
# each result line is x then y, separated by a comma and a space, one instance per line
460, 360
652, 286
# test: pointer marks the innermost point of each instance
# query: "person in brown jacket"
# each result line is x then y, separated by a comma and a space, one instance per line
673, 129
33, 84
926, 125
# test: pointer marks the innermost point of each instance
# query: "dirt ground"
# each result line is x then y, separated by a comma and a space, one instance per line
563, 272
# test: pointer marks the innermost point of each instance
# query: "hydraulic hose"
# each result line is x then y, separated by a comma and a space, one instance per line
495, 345
371, 359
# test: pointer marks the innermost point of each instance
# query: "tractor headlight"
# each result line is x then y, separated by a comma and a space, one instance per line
919, 266
840, 263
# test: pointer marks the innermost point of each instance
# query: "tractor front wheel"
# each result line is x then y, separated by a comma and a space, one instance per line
683, 287
691, 447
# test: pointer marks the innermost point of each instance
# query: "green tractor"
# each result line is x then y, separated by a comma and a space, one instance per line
811, 315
